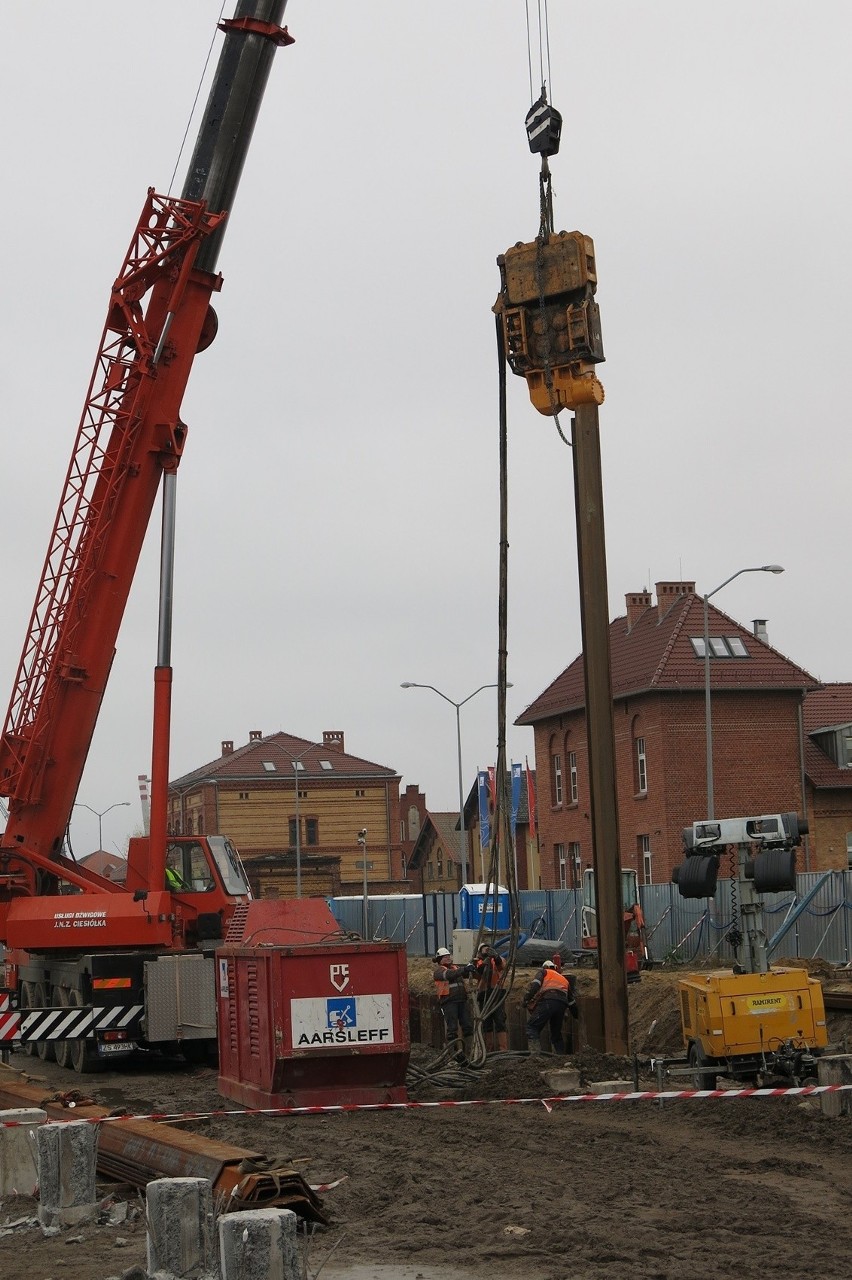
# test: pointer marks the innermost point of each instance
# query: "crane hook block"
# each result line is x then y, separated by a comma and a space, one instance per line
544, 128
551, 322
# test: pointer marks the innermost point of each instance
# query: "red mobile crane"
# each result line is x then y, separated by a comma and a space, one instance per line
102, 967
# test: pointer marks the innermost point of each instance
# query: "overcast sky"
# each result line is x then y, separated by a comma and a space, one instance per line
338, 496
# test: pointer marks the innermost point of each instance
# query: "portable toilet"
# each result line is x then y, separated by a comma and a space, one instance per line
478, 900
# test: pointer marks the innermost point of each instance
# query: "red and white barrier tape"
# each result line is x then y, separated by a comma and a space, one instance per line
649, 1095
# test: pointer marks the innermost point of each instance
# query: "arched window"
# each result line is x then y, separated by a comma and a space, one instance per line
555, 772
640, 759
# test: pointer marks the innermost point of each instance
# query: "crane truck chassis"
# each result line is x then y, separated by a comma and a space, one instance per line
755, 1022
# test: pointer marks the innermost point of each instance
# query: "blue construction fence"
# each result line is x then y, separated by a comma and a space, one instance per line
678, 930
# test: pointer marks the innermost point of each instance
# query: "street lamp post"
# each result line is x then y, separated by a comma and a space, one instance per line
295, 761
708, 717
100, 814
412, 684
362, 845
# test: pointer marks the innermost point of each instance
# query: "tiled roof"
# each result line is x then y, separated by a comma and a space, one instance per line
280, 750
657, 654
822, 771
446, 826
828, 707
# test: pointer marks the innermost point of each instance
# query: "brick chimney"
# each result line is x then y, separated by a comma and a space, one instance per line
333, 738
255, 735
227, 746
637, 602
759, 628
669, 592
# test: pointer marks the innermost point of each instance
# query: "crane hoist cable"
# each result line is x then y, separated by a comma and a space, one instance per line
197, 96
544, 126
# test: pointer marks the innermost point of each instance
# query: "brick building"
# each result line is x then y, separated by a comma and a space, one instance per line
526, 850
762, 762
435, 858
412, 817
249, 794
828, 770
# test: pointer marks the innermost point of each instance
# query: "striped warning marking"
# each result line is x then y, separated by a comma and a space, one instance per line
549, 1104
28, 1025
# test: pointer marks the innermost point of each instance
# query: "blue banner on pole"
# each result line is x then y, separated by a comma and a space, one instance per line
516, 796
484, 816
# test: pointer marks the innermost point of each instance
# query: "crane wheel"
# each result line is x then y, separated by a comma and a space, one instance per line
81, 1057
28, 1001
704, 1074
44, 1048
62, 1048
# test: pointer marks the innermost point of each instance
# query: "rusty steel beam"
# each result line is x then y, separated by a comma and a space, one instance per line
594, 615
135, 1151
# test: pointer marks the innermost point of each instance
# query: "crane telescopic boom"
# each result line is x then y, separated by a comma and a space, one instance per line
130, 436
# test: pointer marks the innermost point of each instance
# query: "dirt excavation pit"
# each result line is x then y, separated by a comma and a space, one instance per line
564, 1191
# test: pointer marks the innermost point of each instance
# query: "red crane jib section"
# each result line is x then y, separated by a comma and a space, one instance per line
129, 434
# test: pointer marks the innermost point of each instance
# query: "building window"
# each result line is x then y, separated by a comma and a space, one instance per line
572, 776
292, 830
576, 863
836, 743
311, 831
359, 791
644, 848
641, 768
440, 861
430, 871
269, 766
849, 849
559, 851
244, 795
404, 865
556, 762
720, 647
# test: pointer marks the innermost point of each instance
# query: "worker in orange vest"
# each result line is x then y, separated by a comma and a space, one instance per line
488, 967
452, 999
548, 998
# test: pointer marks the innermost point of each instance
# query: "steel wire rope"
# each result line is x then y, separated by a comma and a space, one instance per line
543, 43
195, 99
546, 226
501, 839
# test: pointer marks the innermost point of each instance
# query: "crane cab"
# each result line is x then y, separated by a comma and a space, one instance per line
203, 873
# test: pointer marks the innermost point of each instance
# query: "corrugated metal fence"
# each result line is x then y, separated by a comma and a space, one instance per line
679, 930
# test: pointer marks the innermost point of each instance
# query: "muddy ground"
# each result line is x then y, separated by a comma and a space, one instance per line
574, 1191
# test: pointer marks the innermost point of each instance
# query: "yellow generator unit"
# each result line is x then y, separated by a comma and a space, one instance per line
755, 1021
551, 323
752, 1024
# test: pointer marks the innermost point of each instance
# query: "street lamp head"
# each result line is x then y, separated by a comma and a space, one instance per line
408, 684
773, 568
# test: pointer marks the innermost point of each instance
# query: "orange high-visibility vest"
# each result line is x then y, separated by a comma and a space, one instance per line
444, 984
553, 980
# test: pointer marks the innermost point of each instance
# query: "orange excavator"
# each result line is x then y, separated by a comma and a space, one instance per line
636, 955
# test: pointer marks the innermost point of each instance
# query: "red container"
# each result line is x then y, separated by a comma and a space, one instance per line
311, 1023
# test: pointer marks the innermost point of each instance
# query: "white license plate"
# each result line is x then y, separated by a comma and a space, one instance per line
116, 1046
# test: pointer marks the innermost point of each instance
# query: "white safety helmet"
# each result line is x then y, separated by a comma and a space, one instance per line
442, 951
548, 964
